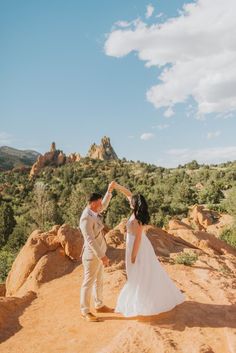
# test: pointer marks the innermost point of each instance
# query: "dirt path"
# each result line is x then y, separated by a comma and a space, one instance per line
205, 323
52, 322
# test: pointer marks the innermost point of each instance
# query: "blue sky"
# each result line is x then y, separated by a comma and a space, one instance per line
74, 71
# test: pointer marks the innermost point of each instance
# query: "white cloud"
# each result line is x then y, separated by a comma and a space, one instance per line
149, 11
147, 136
225, 116
169, 112
196, 52
123, 24
213, 134
5, 138
159, 15
161, 126
174, 157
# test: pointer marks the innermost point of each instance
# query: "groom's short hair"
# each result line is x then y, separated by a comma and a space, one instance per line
94, 196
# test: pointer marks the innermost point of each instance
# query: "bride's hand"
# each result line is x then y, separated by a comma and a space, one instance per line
133, 258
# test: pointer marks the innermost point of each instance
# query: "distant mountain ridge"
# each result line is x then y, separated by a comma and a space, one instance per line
13, 158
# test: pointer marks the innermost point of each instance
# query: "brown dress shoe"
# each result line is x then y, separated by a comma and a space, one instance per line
90, 317
104, 309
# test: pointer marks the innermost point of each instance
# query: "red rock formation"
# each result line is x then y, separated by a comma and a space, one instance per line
45, 256
201, 218
53, 158
104, 151
163, 243
73, 157
9, 308
200, 239
56, 158
205, 322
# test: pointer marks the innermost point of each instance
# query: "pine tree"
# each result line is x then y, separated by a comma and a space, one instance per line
7, 222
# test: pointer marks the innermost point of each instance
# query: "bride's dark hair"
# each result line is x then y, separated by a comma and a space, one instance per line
140, 208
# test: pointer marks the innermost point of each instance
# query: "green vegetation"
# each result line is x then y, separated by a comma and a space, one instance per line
229, 236
185, 259
6, 260
58, 195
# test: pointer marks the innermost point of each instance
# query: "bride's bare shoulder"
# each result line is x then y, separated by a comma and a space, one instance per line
134, 223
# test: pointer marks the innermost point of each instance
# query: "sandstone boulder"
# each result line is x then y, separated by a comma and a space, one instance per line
11, 308
200, 239
163, 243
46, 255
201, 217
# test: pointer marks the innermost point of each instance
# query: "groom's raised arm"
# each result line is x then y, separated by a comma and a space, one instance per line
107, 198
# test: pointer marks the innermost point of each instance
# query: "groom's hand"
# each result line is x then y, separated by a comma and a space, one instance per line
105, 261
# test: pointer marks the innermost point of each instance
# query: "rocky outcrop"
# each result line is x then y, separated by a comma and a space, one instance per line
205, 321
73, 157
53, 158
164, 244
223, 222
207, 242
203, 219
104, 151
12, 307
200, 217
53, 147
45, 256
56, 158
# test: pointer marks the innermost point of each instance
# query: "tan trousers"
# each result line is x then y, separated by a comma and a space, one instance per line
92, 284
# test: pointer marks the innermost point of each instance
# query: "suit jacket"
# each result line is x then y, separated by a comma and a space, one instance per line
91, 228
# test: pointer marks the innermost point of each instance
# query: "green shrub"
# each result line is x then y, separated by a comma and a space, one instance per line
19, 235
7, 222
229, 236
230, 202
6, 260
185, 259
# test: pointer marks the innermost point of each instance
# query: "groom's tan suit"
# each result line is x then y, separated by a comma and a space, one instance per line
95, 248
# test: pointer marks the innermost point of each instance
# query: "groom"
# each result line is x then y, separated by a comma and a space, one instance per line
94, 254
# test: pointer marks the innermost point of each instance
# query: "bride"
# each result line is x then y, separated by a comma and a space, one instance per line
148, 289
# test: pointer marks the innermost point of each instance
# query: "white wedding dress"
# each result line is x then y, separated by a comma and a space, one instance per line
148, 290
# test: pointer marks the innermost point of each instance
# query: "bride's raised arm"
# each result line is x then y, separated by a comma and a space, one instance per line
123, 190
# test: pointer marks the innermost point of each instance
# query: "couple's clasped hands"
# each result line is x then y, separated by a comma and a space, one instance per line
113, 185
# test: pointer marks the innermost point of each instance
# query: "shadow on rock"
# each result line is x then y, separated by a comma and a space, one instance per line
11, 308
